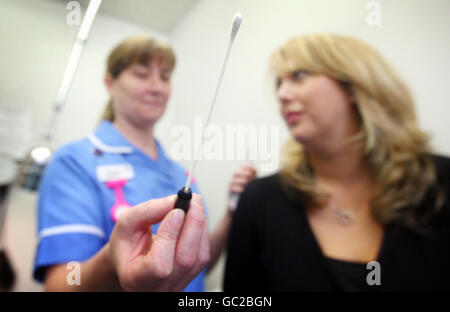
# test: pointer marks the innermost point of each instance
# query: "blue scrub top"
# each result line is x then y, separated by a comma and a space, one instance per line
74, 207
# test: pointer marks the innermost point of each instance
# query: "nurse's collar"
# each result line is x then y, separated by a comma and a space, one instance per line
109, 148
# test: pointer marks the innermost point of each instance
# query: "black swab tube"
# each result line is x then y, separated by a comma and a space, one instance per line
183, 199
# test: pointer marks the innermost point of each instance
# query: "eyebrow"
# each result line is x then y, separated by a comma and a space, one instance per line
138, 65
162, 69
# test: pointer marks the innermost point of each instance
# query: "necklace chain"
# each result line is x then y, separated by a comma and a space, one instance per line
344, 217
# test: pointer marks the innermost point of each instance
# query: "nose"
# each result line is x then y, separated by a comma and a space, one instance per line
156, 84
284, 91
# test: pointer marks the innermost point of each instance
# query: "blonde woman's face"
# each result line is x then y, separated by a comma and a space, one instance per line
316, 109
140, 93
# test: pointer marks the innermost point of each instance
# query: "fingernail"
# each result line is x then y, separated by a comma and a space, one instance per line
178, 216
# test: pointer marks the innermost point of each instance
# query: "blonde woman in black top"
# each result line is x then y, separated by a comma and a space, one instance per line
359, 182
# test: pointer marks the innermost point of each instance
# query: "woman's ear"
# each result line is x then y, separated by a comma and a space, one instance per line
351, 96
349, 92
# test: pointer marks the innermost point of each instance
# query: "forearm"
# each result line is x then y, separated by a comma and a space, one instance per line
95, 274
218, 239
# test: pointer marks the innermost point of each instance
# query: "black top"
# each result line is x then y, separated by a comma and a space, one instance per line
347, 275
272, 247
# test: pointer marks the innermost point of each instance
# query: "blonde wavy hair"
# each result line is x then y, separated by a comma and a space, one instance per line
136, 49
394, 148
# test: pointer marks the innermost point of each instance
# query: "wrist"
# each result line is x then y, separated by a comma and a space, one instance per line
110, 271
107, 258
228, 216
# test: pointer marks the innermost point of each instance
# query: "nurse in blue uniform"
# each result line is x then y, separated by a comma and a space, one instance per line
90, 182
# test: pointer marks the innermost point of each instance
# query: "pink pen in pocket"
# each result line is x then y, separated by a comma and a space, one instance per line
120, 204
187, 175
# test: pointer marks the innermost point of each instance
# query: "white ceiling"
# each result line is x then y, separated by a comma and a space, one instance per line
161, 15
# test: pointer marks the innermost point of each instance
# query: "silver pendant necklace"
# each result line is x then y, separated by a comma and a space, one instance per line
344, 217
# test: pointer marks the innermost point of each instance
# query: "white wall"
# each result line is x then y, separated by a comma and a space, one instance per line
413, 36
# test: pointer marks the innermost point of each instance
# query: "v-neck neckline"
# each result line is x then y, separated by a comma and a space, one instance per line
323, 260
312, 236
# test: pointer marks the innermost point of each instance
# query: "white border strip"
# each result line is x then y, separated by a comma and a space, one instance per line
108, 148
72, 229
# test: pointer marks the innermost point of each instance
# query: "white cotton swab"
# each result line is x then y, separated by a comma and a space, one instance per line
184, 195
236, 24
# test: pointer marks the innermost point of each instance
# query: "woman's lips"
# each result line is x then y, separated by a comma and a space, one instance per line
292, 118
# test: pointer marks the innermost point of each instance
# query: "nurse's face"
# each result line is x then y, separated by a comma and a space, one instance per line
317, 109
140, 93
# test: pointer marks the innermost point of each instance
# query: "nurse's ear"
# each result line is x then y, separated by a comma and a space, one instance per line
109, 83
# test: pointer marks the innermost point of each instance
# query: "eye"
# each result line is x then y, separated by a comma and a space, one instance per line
139, 71
300, 74
141, 74
278, 83
165, 77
